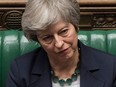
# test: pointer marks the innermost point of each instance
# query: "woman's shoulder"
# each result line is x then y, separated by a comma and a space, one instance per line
29, 55
28, 59
96, 52
24, 63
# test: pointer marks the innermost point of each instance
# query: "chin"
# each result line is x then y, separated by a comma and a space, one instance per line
69, 56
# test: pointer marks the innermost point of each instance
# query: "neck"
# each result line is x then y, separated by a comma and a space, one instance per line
64, 69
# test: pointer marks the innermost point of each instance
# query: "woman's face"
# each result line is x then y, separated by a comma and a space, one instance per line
59, 40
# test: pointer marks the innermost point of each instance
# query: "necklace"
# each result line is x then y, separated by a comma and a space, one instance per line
68, 81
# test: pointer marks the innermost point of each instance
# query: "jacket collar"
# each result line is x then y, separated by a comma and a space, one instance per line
41, 62
87, 57
41, 74
89, 68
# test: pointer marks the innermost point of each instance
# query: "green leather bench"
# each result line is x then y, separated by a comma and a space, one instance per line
13, 44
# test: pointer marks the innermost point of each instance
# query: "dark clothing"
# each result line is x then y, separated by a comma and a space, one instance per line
97, 69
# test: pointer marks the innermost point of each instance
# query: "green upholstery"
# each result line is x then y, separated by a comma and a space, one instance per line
96, 39
99, 39
13, 43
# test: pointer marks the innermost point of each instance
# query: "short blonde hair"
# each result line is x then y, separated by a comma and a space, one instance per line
39, 14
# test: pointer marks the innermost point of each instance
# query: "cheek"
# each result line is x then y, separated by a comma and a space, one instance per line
72, 40
47, 48
72, 37
75, 39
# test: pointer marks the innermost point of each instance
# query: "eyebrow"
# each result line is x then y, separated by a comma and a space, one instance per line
67, 24
39, 33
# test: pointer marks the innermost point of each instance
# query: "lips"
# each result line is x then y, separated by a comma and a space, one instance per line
64, 51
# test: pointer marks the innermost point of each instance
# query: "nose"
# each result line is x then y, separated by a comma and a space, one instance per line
58, 41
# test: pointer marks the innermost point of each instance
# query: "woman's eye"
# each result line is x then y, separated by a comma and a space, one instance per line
64, 32
47, 38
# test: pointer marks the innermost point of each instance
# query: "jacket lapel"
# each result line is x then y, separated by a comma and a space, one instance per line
89, 68
41, 76
89, 77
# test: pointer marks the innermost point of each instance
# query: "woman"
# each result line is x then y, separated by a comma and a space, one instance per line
62, 60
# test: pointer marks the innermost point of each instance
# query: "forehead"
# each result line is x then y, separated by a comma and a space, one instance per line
57, 25
54, 27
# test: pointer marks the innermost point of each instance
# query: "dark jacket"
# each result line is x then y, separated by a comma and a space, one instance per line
97, 69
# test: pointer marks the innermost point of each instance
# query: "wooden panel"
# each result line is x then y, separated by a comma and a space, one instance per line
98, 18
97, 2
12, 2
82, 2
10, 18
95, 14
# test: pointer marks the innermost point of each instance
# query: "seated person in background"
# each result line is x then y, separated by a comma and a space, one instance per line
62, 60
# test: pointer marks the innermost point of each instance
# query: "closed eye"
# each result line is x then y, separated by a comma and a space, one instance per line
63, 32
47, 37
